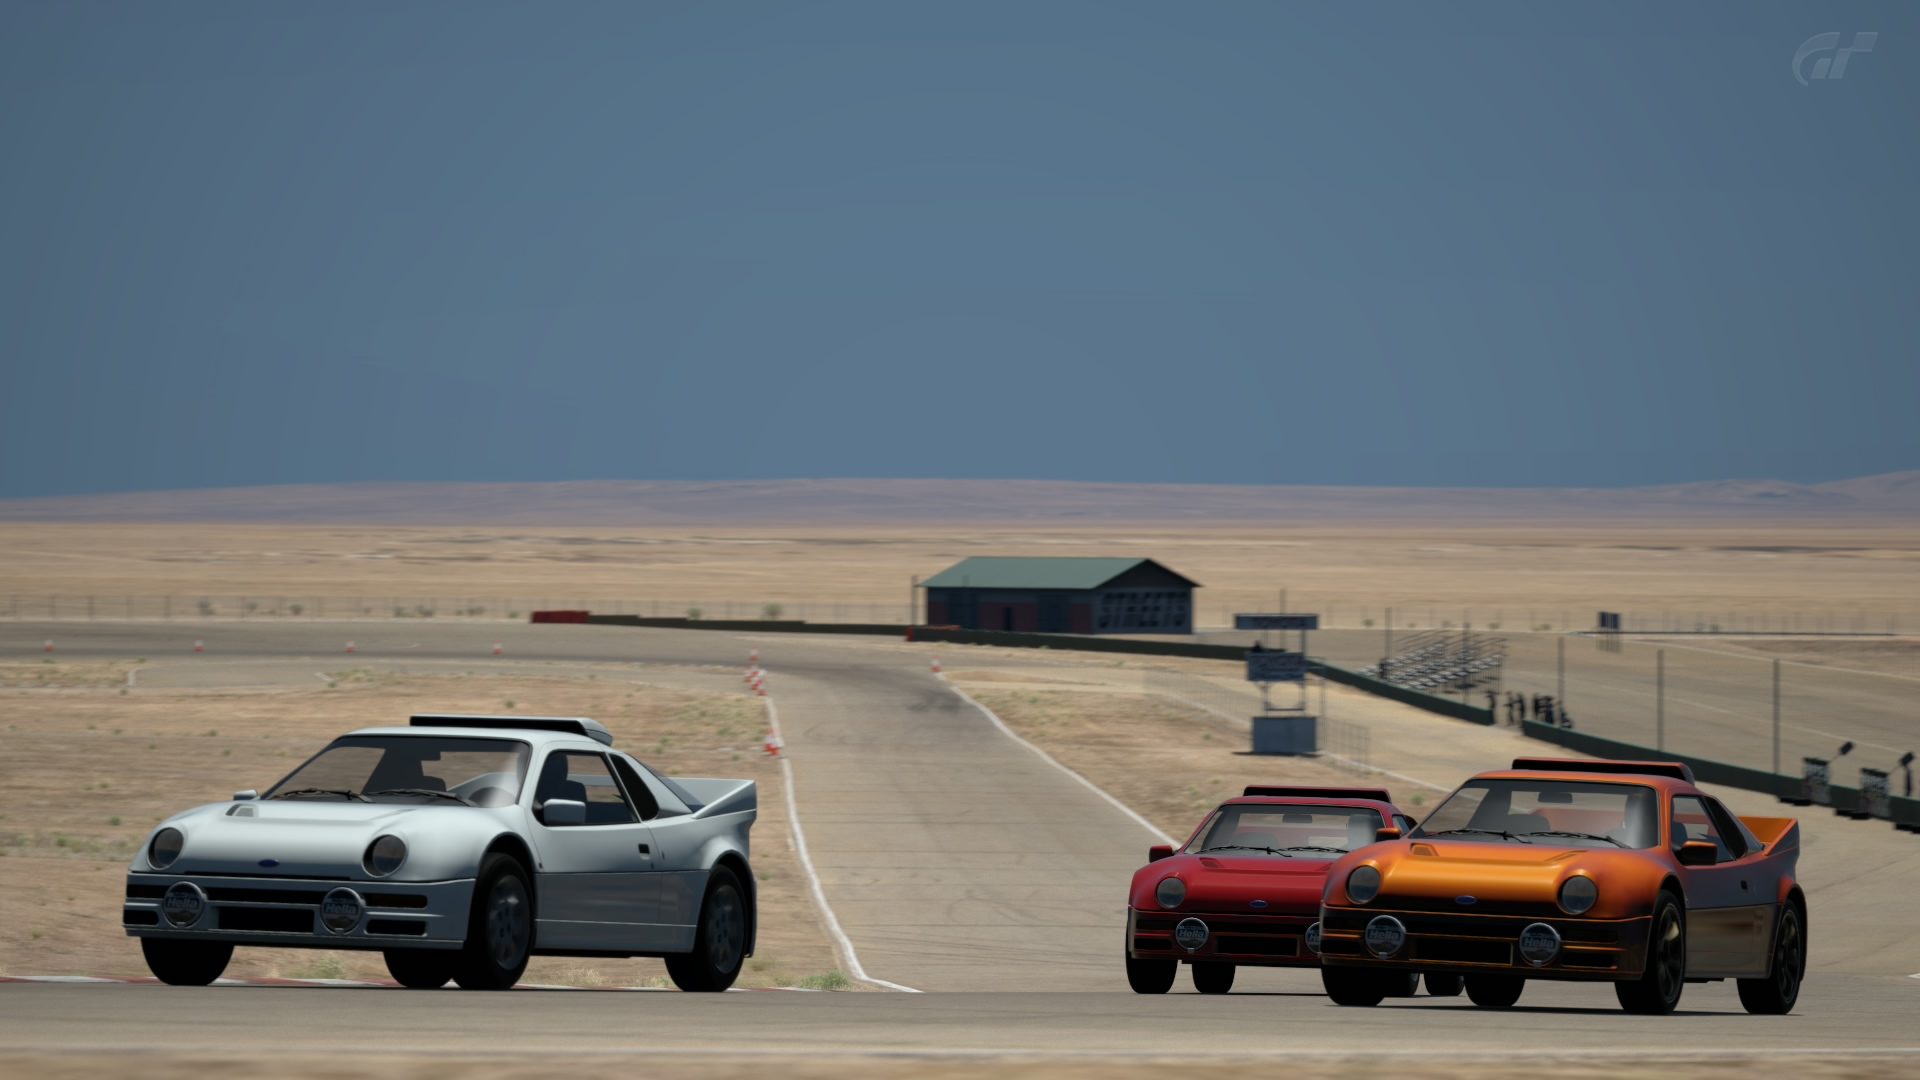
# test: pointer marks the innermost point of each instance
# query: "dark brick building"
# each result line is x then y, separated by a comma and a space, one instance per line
1061, 595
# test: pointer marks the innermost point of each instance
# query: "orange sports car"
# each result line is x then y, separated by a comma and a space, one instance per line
1604, 871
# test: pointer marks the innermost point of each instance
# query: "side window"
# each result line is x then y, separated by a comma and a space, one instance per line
1732, 837
637, 790
583, 777
1405, 823
1692, 822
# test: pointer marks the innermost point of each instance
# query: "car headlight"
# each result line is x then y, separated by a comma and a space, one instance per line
1363, 884
384, 856
1171, 892
165, 847
1577, 895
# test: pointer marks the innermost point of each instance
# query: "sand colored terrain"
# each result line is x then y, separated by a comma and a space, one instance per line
1555, 574
88, 770
935, 1067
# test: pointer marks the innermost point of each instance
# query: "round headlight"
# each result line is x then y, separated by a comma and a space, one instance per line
1171, 892
165, 847
384, 856
1363, 884
1577, 895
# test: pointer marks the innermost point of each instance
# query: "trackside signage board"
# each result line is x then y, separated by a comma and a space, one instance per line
1817, 775
1874, 801
1268, 667
1276, 622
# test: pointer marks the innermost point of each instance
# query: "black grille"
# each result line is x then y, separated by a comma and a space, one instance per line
1277, 945
1598, 961
225, 895
270, 920
1462, 951
1152, 922
395, 900
146, 892
406, 927
140, 917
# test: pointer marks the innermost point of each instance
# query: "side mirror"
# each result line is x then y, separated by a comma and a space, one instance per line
245, 796
559, 812
1697, 853
1159, 851
1387, 832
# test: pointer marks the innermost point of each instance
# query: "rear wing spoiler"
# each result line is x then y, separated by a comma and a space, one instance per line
1776, 834
572, 725
1676, 769
1375, 794
720, 797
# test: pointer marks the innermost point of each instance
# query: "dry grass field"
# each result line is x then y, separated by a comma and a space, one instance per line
88, 770
1555, 572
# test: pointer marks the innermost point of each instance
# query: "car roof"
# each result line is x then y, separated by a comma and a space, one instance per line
533, 736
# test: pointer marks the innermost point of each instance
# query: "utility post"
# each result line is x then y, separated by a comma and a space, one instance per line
1776, 717
1660, 699
1560, 664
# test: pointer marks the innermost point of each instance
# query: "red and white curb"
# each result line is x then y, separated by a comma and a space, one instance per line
377, 984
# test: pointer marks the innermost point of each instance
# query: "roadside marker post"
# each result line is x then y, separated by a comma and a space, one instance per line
497, 649
349, 648
199, 645
48, 647
936, 665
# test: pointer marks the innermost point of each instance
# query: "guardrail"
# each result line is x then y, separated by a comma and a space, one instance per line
1905, 812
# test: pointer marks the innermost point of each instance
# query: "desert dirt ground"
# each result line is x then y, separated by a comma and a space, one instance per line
1554, 574
933, 1067
88, 770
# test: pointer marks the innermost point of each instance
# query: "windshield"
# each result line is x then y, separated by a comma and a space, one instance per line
1562, 812
1287, 830
411, 769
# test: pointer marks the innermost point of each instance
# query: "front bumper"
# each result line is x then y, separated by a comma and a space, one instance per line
285, 912
1249, 940
1590, 949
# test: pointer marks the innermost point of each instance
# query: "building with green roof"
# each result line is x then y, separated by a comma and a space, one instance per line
1061, 595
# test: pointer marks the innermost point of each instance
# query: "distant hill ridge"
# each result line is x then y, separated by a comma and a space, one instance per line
881, 501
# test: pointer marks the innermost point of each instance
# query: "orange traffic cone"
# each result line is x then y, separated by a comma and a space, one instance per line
199, 645
349, 648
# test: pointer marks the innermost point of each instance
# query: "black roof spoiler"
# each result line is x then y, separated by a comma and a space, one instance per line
1376, 794
572, 725
1676, 769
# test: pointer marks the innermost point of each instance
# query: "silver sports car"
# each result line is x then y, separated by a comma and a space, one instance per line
459, 846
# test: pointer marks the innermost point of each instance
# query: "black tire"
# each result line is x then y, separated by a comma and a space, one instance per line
1494, 991
1212, 977
499, 927
1151, 976
1354, 986
422, 969
1657, 990
1403, 984
1776, 994
720, 941
185, 963
1440, 984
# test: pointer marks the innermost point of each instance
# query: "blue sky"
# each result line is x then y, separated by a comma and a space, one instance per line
1371, 243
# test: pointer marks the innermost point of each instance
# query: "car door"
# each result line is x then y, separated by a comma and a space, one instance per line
597, 889
679, 863
1728, 919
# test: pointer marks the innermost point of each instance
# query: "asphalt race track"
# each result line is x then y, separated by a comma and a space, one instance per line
959, 862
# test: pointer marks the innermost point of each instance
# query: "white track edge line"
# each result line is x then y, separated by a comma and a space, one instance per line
841, 941
1049, 759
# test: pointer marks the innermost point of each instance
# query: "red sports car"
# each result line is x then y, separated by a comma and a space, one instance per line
1245, 888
